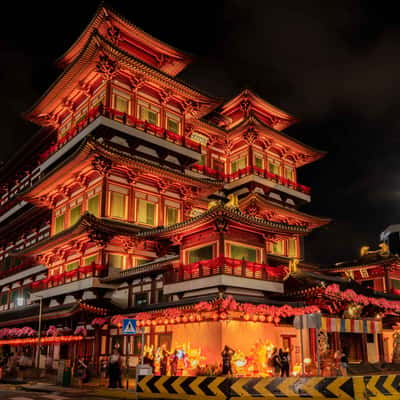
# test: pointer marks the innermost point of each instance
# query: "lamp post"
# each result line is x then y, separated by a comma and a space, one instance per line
39, 330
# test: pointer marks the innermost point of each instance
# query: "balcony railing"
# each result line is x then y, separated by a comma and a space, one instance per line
87, 271
225, 266
251, 170
125, 119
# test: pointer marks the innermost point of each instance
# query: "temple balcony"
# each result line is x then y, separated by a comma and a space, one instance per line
256, 175
68, 282
155, 142
224, 271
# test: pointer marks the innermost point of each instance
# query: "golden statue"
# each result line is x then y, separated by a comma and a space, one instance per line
293, 263
213, 203
233, 201
364, 251
384, 249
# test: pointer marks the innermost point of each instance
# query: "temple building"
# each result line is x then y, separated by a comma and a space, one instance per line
141, 196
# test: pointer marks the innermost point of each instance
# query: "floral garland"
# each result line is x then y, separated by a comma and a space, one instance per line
52, 331
98, 321
24, 332
80, 331
351, 296
220, 309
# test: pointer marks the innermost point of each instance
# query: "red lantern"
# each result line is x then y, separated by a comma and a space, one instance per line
261, 318
154, 322
269, 318
171, 321
166, 321
215, 316
276, 320
223, 315
198, 317
184, 319
148, 322
246, 317
159, 321
191, 318
255, 318
178, 320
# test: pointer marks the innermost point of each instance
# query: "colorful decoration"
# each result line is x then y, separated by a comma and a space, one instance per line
43, 340
351, 296
98, 322
93, 309
80, 331
24, 332
221, 309
52, 331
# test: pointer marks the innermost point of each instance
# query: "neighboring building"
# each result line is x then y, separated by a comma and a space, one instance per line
143, 196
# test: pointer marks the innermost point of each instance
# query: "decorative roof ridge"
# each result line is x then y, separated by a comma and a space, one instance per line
253, 118
85, 223
283, 207
221, 210
103, 7
372, 263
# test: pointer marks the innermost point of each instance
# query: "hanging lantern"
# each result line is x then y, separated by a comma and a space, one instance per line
215, 316
246, 317
269, 318
171, 321
276, 320
159, 321
255, 318
261, 318
139, 323
223, 315
154, 322
184, 319
166, 321
148, 322
191, 318
198, 317
178, 320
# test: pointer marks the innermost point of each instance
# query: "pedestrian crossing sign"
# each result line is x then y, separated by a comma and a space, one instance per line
129, 326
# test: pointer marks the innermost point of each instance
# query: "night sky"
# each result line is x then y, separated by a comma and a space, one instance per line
334, 65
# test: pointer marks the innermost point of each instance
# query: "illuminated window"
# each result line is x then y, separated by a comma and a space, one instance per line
289, 173
121, 104
238, 164
140, 261
146, 212
93, 205
274, 166
26, 295
148, 115
202, 160
118, 205
116, 260
172, 215
14, 297
202, 253
75, 214
292, 251
72, 266
89, 260
218, 165
173, 125
277, 247
60, 223
243, 253
258, 161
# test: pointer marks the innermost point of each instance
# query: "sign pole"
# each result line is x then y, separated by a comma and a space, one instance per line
142, 349
301, 345
127, 360
318, 353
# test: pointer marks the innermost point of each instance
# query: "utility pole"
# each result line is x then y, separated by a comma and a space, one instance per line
39, 331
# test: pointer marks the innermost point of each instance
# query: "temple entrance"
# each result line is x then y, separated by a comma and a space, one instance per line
352, 345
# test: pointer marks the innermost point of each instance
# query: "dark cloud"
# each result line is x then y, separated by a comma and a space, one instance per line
335, 65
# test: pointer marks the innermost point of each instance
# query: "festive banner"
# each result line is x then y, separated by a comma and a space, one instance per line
347, 325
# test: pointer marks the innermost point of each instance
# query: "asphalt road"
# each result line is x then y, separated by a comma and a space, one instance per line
8, 394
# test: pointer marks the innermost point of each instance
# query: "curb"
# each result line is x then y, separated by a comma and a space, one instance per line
115, 394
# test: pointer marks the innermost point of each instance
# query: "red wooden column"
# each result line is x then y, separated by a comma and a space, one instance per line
313, 343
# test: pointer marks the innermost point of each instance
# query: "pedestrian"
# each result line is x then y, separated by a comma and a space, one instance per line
164, 362
337, 356
343, 363
284, 361
82, 371
226, 355
274, 362
174, 363
114, 368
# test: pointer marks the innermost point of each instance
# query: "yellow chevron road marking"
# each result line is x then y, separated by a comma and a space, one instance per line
371, 385
143, 383
309, 387
177, 385
388, 385
159, 384
335, 385
261, 387
286, 387
213, 386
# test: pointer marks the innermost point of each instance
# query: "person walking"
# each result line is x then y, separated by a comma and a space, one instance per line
274, 362
83, 371
226, 355
343, 363
173, 364
114, 368
284, 361
164, 362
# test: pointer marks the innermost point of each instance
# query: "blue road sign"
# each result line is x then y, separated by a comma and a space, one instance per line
129, 326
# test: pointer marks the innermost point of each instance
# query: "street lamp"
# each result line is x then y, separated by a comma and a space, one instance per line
39, 331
